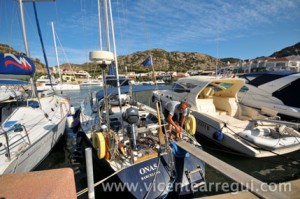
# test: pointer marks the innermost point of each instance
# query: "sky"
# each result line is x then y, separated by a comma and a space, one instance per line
243, 29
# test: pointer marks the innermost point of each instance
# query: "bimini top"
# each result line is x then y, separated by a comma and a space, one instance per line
195, 84
15, 66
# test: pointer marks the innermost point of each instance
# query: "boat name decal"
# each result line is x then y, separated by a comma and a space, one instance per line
203, 125
148, 171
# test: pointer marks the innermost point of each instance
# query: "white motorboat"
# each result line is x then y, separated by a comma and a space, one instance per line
91, 82
31, 124
59, 87
275, 91
223, 120
45, 79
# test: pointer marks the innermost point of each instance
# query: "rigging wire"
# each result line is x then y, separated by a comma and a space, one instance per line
63, 51
84, 26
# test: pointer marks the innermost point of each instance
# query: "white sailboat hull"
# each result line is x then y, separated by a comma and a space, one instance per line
38, 151
44, 127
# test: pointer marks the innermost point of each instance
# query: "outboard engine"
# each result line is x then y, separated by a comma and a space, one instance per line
131, 115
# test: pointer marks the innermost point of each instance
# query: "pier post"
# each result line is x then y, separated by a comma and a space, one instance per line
90, 174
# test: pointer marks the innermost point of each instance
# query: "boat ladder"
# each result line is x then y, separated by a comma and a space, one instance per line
189, 176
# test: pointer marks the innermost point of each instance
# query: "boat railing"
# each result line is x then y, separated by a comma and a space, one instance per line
294, 124
15, 128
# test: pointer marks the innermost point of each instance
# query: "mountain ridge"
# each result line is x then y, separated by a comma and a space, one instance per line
162, 60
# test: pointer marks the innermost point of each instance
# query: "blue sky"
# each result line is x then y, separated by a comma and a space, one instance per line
242, 29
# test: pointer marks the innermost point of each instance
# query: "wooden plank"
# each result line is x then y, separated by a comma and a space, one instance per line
146, 157
55, 183
252, 184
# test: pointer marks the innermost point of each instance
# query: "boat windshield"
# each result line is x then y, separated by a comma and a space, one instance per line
220, 86
183, 87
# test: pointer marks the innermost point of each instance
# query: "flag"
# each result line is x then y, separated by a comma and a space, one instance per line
148, 62
112, 70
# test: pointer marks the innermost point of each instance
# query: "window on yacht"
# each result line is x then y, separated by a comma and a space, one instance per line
262, 79
288, 95
179, 88
244, 89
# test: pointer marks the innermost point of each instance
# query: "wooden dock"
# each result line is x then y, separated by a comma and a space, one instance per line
255, 187
56, 183
293, 192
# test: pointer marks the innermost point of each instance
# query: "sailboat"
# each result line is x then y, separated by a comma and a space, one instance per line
58, 86
130, 144
31, 124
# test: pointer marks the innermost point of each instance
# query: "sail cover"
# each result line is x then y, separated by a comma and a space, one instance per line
16, 65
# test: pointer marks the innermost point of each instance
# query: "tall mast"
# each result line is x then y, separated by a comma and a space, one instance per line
34, 91
57, 61
106, 25
24, 29
115, 53
99, 24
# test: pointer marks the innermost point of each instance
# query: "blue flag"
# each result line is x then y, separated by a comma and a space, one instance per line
148, 62
112, 70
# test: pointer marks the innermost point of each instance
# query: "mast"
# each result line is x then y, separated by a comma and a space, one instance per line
106, 25
57, 61
24, 29
26, 45
99, 24
115, 54
34, 91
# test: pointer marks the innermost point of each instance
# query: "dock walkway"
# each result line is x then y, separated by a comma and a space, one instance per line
256, 188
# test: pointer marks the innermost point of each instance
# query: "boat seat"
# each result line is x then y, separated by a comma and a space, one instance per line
207, 93
206, 106
227, 104
220, 112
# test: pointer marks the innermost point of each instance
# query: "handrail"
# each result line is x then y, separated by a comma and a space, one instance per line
7, 143
295, 124
16, 126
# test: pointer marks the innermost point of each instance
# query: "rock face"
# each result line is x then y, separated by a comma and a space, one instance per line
163, 60
291, 50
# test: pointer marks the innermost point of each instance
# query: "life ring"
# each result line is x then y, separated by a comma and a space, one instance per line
190, 124
99, 144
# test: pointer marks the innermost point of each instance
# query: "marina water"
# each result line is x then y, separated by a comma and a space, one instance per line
270, 170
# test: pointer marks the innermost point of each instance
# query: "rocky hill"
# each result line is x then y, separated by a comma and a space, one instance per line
291, 50
162, 60
167, 61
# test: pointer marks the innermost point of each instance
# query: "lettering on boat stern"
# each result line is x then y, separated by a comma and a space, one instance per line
148, 171
201, 124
